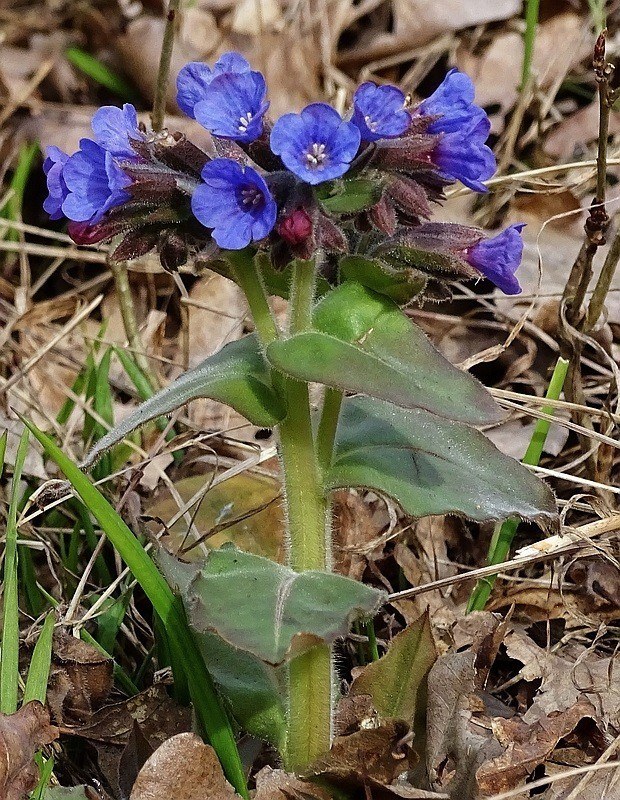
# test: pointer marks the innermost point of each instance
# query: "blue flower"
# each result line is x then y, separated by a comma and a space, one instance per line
235, 202
115, 129
94, 183
498, 258
317, 145
379, 112
53, 167
233, 106
464, 156
196, 76
453, 103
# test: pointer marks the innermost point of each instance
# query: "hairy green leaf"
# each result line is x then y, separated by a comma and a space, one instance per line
394, 681
350, 196
399, 285
237, 375
363, 342
433, 466
267, 609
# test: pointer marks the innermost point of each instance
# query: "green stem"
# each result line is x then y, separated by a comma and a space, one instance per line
328, 424
247, 276
529, 39
309, 530
161, 87
308, 513
505, 532
130, 323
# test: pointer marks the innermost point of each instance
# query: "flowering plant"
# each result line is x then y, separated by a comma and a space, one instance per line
335, 214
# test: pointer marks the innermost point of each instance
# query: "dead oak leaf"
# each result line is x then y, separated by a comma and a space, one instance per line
21, 735
185, 768
527, 746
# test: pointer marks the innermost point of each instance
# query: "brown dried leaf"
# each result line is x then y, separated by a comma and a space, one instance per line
80, 679
21, 735
374, 754
527, 746
455, 750
356, 531
185, 768
275, 784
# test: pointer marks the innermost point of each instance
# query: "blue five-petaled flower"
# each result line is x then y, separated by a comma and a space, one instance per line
316, 145
379, 112
498, 258
228, 100
235, 202
116, 128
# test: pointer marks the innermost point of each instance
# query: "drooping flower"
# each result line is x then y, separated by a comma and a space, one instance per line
316, 145
53, 167
235, 202
464, 156
115, 129
498, 258
233, 106
379, 112
94, 183
453, 105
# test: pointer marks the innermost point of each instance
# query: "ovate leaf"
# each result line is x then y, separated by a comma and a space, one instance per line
237, 375
267, 609
362, 342
395, 680
433, 466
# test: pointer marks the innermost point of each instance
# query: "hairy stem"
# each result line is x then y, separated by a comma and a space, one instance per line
328, 423
161, 87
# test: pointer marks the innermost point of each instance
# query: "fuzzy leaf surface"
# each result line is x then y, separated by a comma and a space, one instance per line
433, 466
351, 197
237, 375
399, 285
267, 609
363, 343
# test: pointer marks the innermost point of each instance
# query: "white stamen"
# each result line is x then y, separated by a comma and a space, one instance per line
370, 123
317, 155
245, 121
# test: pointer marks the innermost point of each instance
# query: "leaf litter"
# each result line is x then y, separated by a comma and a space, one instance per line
487, 703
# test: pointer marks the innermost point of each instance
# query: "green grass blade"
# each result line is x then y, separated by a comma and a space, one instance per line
135, 374
46, 767
505, 532
35, 602
209, 711
100, 73
9, 662
529, 39
3, 440
13, 208
39, 670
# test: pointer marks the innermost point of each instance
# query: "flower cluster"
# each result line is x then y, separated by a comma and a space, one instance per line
363, 183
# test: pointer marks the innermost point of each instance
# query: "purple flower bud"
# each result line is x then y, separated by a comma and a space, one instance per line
317, 145
453, 103
499, 258
379, 112
233, 106
235, 202
57, 188
196, 76
94, 183
115, 129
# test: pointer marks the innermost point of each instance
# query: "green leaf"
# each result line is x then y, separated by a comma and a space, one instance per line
399, 285
249, 686
267, 609
433, 466
363, 342
394, 681
350, 197
39, 670
100, 73
237, 375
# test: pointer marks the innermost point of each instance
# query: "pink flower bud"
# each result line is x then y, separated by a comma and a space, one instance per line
295, 227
